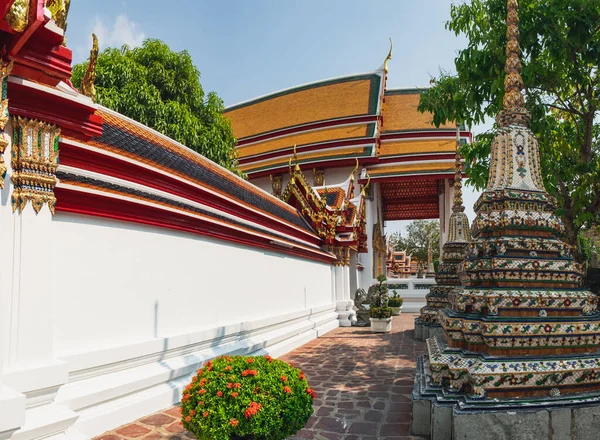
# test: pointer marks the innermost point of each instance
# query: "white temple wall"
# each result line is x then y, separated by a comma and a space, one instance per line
365, 277
102, 321
150, 282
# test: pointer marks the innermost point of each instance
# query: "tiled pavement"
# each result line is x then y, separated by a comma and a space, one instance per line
363, 383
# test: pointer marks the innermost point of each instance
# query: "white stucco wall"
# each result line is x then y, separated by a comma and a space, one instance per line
103, 321
150, 282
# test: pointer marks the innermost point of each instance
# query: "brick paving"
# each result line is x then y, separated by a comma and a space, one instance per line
363, 383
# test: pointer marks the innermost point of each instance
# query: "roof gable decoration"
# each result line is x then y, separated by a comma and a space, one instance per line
337, 217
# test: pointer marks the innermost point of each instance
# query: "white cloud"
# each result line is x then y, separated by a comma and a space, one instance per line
122, 31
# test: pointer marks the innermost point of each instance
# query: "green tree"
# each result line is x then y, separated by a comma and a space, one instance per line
420, 236
161, 89
560, 40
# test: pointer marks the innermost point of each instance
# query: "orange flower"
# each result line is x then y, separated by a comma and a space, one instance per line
283, 379
180, 409
287, 390
301, 376
188, 419
202, 391
186, 397
228, 368
234, 394
269, 358
220, 393
249, 373
201, 403
205, 414
291, 365
237, 385
202, 382
253, 408
193, 412
249, 360
311, 392
229, 385
233, 422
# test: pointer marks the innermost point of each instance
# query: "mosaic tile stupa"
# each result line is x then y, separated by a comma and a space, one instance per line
522, 326
453, 254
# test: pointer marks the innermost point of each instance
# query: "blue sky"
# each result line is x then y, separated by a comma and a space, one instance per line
245, 49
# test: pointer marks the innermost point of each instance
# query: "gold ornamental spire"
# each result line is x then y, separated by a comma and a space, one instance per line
458, 206
389, 57
514, 111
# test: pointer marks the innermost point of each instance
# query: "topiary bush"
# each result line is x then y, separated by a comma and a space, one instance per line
246, 397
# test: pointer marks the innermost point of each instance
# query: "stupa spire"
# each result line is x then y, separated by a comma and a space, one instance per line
457, 205
514, 111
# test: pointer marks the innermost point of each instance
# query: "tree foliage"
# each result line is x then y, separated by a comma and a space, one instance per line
560, 40
420, 235
161, 89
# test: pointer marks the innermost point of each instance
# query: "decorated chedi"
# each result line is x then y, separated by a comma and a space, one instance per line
522, 334
453, 254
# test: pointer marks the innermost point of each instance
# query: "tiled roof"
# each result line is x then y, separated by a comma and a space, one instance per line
413, 168
332, 99
126, 138
304, 138
308, 157
415, 146
400, 112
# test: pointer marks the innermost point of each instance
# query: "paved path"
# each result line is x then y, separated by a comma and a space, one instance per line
363, 383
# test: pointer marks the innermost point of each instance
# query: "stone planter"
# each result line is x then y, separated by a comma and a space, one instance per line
396, 311
381, 325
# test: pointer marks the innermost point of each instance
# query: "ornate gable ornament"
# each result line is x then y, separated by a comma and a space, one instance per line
335, 214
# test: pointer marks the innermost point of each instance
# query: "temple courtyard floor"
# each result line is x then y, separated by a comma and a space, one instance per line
363, 381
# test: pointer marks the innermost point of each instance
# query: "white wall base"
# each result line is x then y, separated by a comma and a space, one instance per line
12, 411
109, 394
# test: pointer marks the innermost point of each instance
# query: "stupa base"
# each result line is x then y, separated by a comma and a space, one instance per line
440, 415
425, 330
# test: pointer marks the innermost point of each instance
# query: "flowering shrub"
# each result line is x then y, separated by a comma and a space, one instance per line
255, 397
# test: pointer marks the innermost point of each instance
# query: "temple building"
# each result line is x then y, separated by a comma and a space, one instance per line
364, 148
401, 265
519, 352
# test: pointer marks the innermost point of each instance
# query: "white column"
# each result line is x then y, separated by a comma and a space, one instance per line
445, 208
30, 375
353, 273
341, 297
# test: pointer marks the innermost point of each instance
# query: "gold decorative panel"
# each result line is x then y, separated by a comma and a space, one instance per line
34, 162
5, 68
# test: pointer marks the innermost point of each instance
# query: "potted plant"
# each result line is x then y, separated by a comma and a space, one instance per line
381, 314
246, 397
395, 303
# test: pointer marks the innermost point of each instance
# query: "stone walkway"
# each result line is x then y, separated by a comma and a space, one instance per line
363, 382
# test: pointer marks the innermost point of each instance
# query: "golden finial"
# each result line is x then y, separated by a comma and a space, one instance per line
457, 205
514, 111
87, 83
295, 157
389, 57
366, 185
354, 170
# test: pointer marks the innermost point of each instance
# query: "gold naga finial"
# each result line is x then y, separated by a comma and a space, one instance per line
354, 170
514, 111
59, 10
366, 185
295, 157
389, 57
87, 82
457, 205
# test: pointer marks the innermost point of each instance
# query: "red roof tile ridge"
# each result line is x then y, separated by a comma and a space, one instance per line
197, 156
